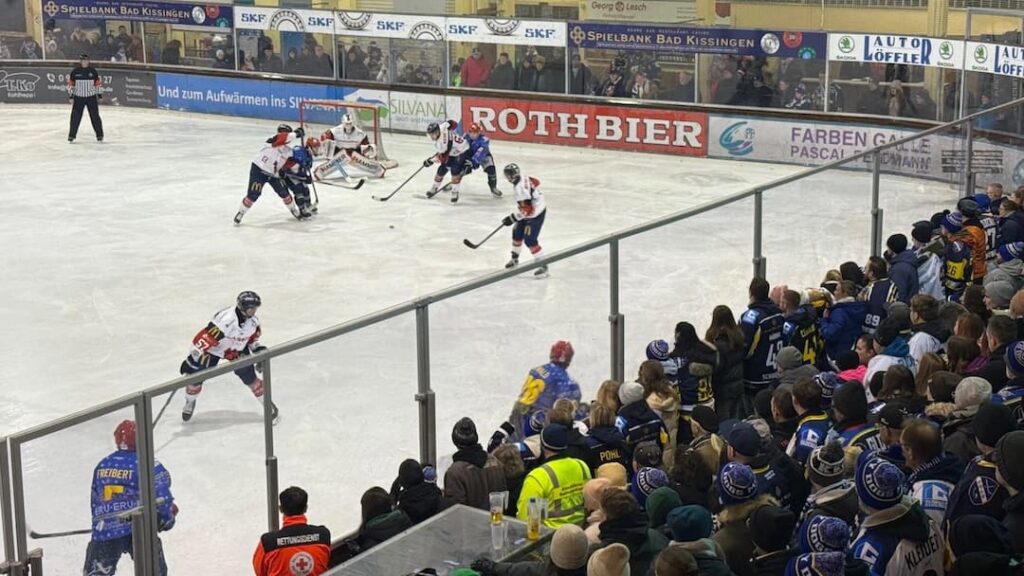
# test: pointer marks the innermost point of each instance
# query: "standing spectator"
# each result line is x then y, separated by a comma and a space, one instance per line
567, 557
694, 362
928, 333
784, 418
85, 90
30, 50
122, 35
762, 337
1011, 229
739, 496
934, 472
831, 493
999, 333
605, 442
503, 75
581, 79
271, 62
413, 494
473, 474
842, 322
559, 480
727, 380
643, 88
121, 55
801, 329
771, 529
625, 523
115, 489
221, 62
872, 100
292, 64
171, 54
896, 537
813, 424
320, 63
545, 79
691, 530
929, 251
1013, 391
879, 293
514, 469
454, 76
525, 75
850, 416
637, 422
380, 522
895, 99
614, 85
994, 191
664, 401
1010, 474
685, 90
298, 546
903, 263
355, 68
475, 70
977, 491
610, 561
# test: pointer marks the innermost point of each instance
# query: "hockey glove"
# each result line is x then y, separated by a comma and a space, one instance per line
428, 162
509, 220
230, 355
498, 438
256, 350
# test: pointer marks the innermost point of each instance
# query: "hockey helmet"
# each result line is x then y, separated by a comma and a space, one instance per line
347, 124
248, 300
512, 173
313, 143
474, 129
562, 352
124, 435
434, 130
283, 128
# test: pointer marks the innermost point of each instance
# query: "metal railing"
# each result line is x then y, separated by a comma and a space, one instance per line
12, 467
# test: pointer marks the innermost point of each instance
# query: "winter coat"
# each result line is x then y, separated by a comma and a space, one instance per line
667, 407
929, 274
644, 544
606, 444
709, 448
1014, 520
733, 534
773, 563
374, 532
900, 540
842, 326
928, 337
897, 352
503, 77
472, 477
958, 437
727, 380
638, 423
994, 370
977, 492
709, 556
903, 273
793, 374
838, 500
475, 72
1011, 227
581, 80
932, 483
413, 495
533, 568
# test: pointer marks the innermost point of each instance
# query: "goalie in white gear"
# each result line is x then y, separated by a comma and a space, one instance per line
347, 145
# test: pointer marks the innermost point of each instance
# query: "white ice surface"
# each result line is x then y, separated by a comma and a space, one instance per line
113, 255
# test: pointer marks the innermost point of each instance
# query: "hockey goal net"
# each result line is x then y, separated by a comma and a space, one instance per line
316, 116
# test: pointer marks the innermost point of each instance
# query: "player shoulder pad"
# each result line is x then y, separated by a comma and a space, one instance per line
751, 316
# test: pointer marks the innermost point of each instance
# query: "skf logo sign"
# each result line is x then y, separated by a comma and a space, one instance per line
390, 25
251, 18
461, 30
540, 33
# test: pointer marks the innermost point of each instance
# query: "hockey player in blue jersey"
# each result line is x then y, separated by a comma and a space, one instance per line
480, 156
297, 174
115, 494
544, 385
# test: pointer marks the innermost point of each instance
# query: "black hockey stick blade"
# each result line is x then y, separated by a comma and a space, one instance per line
40, 535
341, 184
400, 186
473, 246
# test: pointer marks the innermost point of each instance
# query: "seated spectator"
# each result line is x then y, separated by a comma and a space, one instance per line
813, 424
929, 335
1000, 332
473, 474
739, 496
412, 494
841, 324
454, 76
605, 442
306, 545
637, 422
380, 522
559, 480
614, 85
626, 524
271, 62
771, 529
850, 419
831, 493
475, 70
977, 491
1008, 456
615, 473
502, 76
567, 557
790, 364
785, 419
609, 561
934, 472
690, 527
676, 561
963, 354
896, 530
958, 430
292, 63
941, 386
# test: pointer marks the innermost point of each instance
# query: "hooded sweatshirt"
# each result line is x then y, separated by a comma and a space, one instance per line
413, 495
903, 272
900, 541
931, 484
842, 326
928, 337
897, 352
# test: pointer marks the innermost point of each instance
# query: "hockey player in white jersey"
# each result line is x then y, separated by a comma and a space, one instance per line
266, 168
451, 152
347, 145
233, 332
528, 220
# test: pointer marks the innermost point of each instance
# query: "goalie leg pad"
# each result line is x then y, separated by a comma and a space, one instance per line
371, 166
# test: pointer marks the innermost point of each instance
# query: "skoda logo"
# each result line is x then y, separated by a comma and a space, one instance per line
946, 50
847, 45
426, 31
981, 54
501, 26
287, 21
355, 20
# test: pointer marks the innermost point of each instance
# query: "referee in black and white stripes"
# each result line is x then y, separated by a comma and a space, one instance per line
85, 90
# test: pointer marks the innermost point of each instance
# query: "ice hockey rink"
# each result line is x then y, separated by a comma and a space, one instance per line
114, 255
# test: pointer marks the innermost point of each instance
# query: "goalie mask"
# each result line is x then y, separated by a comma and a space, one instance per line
347, 125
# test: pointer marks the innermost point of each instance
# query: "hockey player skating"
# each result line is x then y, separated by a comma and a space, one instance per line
528, 220
451, 153
347, 145
115, 493
296, 175
480, 156
233, 332
266, 169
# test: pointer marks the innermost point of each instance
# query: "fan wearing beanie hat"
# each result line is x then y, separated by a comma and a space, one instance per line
544, 386
612, 560
739, 495
832, 494
658, 350
893, 525
559, 481
1011, 394
637, 421
818, 564
1010, 252
473, 473
998, 294
790, 362
646, 481
902, 267
977, 491
824, 534
1009, 459
771, 529
736, 484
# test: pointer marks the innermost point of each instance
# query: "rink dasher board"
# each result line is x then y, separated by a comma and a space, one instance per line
48, 85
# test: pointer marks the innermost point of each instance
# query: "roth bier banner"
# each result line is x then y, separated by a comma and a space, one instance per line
889, 49
506, 31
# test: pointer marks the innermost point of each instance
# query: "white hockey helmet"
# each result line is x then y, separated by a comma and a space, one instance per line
347, 124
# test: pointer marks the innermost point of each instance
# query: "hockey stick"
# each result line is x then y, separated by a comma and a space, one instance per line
40, 535
166, 404
359, 184
481, 243
316, 197
402, 185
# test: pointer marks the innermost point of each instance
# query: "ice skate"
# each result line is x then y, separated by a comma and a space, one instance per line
190, 407
513, 262
541, 272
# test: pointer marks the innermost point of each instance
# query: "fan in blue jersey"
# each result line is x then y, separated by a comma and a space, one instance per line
850, 412
762, 333
801, 329
977, 491
879, 293
544, 385
297, 174
934, 471
1012, 393
814, 422
115, 494
480, 156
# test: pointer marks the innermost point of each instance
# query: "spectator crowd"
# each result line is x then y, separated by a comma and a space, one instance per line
868, 425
